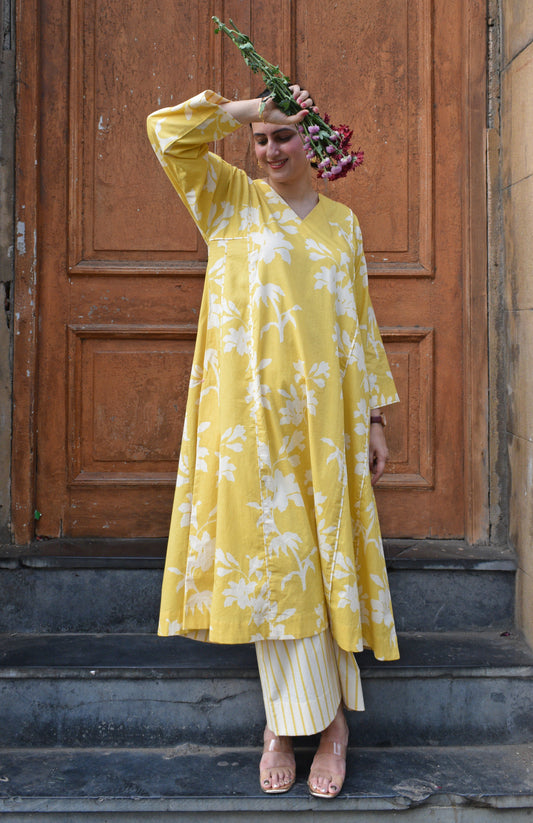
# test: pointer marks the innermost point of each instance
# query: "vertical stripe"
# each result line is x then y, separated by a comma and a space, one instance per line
270, 649
303, 682
297, 702
317, 676
331, 691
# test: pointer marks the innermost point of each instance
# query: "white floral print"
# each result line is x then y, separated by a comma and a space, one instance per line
274, 531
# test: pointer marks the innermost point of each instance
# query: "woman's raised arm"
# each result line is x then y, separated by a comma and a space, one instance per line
249, 111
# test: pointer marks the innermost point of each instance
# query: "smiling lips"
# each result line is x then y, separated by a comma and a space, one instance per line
277, 164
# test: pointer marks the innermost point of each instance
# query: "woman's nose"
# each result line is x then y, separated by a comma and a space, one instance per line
272, 149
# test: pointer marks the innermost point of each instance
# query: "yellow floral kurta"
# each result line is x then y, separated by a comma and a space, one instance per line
274, 530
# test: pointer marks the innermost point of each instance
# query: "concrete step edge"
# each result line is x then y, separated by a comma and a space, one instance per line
145, 553
481, 654
193, 778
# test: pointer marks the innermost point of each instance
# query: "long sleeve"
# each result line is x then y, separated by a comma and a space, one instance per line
381, 383
206, 184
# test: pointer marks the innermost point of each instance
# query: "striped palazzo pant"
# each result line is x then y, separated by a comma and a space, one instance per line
304, 681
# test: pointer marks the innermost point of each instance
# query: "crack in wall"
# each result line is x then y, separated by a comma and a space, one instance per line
8, 25
498, 458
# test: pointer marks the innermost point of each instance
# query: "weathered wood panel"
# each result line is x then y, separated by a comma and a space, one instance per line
120, 264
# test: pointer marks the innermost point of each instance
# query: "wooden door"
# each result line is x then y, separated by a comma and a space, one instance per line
120, 265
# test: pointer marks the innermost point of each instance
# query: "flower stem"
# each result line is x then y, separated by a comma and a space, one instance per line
319, 135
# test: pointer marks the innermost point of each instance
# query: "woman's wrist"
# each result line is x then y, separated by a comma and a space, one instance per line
245, 111
378, 418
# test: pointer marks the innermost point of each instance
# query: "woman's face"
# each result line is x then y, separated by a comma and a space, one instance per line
279, 149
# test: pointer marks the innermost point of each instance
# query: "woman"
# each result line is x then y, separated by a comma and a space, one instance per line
274, 536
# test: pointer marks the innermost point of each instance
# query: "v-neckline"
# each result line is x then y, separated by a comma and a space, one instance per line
282, 199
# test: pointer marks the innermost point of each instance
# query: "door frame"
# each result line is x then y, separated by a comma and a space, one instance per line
26, 299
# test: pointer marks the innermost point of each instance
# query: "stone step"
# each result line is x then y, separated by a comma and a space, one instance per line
141, 690
193, 784
435, 586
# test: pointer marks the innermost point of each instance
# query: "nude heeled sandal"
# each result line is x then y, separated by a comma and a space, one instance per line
326, 747
275, 745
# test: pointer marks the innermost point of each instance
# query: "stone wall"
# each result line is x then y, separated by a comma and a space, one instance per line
517, 193
7, 165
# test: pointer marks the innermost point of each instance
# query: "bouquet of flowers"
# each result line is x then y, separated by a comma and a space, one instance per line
327, 146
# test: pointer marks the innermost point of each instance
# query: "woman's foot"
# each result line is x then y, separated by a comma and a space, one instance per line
277, 769
328, 769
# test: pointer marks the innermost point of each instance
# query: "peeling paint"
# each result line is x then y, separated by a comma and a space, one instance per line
21, 237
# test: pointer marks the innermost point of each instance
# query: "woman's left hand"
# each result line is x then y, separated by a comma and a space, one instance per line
377, 451
303, 98
271, 113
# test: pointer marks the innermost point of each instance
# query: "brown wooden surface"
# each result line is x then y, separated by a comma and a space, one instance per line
120, 264
26, 295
